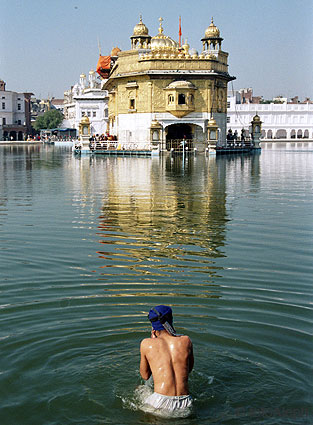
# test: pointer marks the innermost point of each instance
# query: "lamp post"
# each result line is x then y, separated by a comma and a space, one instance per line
155, 136
84, 134
256, 131
212, 136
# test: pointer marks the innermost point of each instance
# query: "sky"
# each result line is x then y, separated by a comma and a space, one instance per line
46, 44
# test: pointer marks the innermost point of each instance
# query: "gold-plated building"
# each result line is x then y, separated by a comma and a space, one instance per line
161, 92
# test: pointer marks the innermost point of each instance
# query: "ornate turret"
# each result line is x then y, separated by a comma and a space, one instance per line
212, 39
140, 38
82, 80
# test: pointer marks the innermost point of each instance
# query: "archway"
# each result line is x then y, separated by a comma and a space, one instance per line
293, 134
299, 134
176, 133
12, 135
20, 135
306, 134
269, 134
281, 134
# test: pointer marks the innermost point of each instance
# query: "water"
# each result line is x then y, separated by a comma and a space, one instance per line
88, 245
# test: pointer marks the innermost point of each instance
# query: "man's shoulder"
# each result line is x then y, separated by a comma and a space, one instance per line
185, 339
145, 342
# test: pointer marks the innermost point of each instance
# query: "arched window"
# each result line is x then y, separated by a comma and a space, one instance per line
181, 99
170, 98
191, 99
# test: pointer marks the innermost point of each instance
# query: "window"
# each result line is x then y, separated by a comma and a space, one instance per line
19, 122
94, 114
3, 97
19, 106
228, 119
181, 99
4, 121
170, 98
106, 113
83, 114
3, 105
228, 104
88, 114
132, 104
191, 99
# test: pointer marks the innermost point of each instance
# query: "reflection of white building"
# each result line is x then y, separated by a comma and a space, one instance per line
280, 120
86, 99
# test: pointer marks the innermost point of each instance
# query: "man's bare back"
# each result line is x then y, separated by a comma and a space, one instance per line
169, 359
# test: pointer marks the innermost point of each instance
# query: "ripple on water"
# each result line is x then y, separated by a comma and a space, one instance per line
86, 252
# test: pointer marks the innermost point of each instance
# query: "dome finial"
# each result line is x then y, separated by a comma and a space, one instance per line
140, 18
160, 27
212, 20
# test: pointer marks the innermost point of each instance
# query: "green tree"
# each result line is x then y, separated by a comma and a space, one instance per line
50, 119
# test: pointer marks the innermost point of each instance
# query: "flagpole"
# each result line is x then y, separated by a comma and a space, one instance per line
180, 33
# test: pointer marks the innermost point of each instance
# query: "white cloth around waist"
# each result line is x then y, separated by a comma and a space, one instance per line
169, 403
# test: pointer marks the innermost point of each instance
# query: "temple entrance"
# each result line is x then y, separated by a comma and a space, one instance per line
176, 134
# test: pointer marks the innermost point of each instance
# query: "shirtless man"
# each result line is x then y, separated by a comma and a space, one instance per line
169, 358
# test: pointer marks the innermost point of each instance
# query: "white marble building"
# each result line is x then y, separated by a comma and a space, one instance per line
14, 114
280, 120
87, 98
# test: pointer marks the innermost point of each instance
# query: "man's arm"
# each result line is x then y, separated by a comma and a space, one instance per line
190, 358
144, 369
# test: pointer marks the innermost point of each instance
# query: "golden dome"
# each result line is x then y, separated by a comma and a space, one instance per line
140, 29
163, 42
115, 51
85, 120
82, 75
212, 122
212, 31
256, 118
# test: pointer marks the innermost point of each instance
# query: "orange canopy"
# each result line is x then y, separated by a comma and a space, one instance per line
103, 66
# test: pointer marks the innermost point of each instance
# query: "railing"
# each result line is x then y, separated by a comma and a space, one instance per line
178, 145
247, 143
104, 145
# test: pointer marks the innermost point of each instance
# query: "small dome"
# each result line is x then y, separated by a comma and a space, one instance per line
193, 52
85, 120
82, 75
181, 84
212, 31
91, 72
115, 51
140, 29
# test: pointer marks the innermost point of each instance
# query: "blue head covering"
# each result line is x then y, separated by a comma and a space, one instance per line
161, 318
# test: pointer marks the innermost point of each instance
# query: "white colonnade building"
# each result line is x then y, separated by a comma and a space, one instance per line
279, 120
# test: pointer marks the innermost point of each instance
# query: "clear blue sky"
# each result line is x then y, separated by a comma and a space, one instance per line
46, 44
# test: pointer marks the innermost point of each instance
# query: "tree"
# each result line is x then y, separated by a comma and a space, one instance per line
50, 119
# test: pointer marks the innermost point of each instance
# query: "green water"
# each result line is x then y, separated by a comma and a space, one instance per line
88, 245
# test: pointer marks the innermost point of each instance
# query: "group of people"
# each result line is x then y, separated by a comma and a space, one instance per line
235, 139
102, 137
